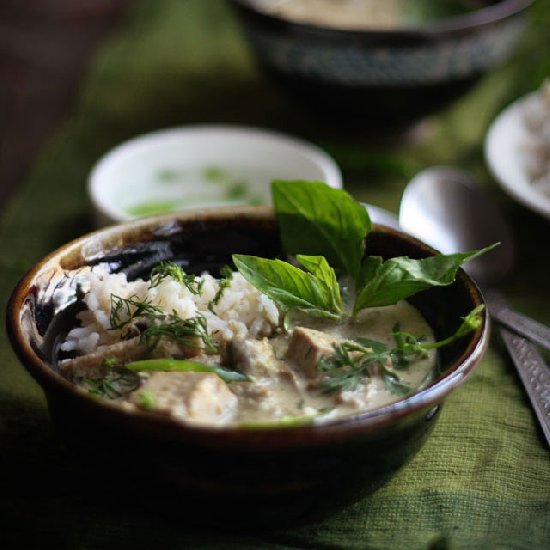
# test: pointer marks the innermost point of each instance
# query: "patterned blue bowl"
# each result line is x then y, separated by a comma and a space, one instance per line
383, 77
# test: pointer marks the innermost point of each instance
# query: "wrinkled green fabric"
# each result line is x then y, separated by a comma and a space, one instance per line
483, 478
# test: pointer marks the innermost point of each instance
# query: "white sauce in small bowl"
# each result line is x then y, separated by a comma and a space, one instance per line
201, 166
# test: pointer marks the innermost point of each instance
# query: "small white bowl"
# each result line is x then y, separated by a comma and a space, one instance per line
200, 166
505, 146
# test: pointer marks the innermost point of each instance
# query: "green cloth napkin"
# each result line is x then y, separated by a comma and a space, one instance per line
483, 478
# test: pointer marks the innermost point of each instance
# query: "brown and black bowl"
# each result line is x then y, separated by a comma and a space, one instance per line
387, 78
229, 475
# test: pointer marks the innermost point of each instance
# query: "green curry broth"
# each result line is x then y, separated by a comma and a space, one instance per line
307, 399
288, 392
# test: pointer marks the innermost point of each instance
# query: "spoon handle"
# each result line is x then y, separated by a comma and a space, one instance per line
501, 312
534, 374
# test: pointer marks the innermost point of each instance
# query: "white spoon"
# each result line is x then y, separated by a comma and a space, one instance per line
446, 209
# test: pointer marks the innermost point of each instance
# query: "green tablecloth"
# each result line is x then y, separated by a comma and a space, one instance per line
483, 478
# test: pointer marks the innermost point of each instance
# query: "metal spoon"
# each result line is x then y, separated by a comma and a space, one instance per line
445, 208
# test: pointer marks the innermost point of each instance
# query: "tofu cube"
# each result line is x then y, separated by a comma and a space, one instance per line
307, 346
193, 396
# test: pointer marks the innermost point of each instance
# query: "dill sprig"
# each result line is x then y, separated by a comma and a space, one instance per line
181, 330
116, 383
224, 283
125, 310
159, 324
171, 269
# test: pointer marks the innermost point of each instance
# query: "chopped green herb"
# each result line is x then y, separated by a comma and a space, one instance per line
146, 399
237, 191
214, 174
167, 175
181, 330
171, 269
350, 363
110, 362
125, 310
115, 384
224, 283
256, 201
354, 361
161, 325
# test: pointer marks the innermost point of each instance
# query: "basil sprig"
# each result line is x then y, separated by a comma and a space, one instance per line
326, 227
385, 283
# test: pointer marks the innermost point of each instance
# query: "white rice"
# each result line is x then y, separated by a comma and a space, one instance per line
241, 312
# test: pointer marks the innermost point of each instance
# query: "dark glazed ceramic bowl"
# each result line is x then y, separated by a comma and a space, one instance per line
253, 476
382, 77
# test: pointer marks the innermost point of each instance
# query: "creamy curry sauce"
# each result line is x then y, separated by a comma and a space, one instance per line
285, 382
294, 387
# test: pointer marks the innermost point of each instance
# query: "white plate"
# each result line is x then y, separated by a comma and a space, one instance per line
201, 166
505, 140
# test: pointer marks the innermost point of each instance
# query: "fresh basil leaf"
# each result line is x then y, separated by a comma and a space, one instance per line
401, 277
369, 267
319, 268
317, 220
289, 286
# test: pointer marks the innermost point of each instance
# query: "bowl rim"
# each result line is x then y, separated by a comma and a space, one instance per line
151, 140
257, 436
461, 23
